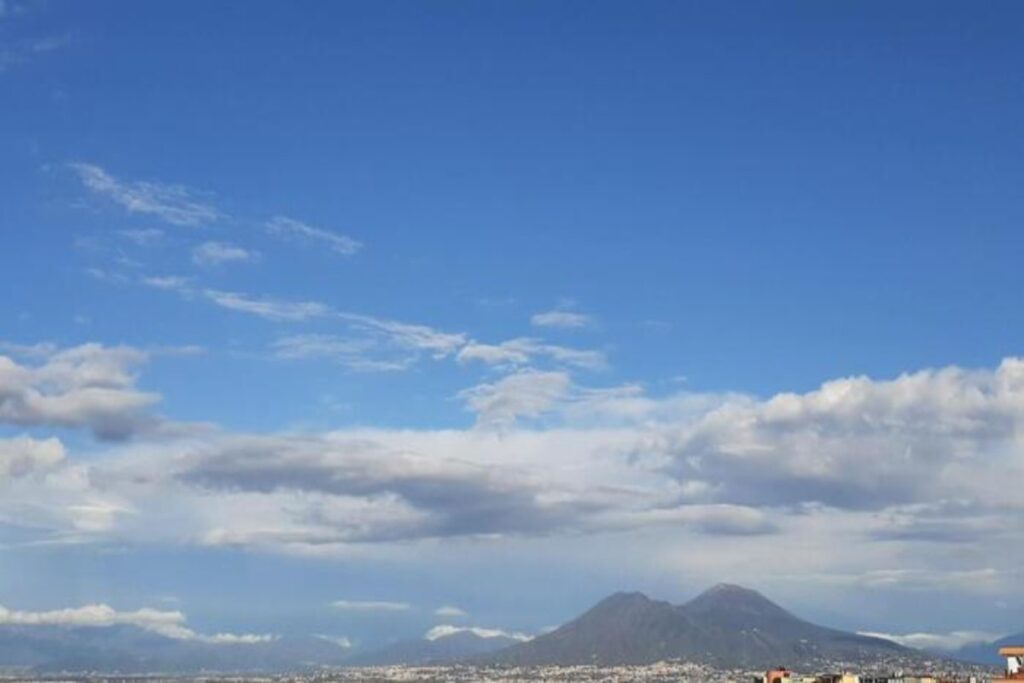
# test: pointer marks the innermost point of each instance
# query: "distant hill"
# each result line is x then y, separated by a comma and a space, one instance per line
727, 626
987, 653
447, 649
129, 649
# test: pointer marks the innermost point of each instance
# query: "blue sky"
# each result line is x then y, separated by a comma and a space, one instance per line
505, 306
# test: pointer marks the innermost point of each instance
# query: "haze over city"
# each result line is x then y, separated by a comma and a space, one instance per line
376, 321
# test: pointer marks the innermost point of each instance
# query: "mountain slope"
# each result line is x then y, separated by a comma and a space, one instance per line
988, 653
128, 649
445, 649
727, 626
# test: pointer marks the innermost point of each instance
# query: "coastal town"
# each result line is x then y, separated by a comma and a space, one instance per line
940, 671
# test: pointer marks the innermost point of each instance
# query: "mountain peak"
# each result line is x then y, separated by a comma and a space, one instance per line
624, 597
728, 598
731, 590
621, 603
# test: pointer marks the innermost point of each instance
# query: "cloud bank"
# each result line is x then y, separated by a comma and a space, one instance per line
170, 624
878, 467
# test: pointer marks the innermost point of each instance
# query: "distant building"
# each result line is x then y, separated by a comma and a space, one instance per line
780, 675
1014, 664
838, 678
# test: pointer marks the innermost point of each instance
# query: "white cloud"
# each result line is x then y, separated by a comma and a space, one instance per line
370, 606
862, 443
360, 355
22, 455
270, 309
216, 253
561, 318
947, 642
444, 631
522, 351
84, 386
171, 624
95, 516
408, 335
174, 204
291, 229
236, 638
686, 471
529, 394
371, 344
364, 331
341, 641
525, 394
450, 611
175, 283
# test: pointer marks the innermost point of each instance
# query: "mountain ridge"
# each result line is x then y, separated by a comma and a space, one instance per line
987, 652
726, 626
458, 646
128, 649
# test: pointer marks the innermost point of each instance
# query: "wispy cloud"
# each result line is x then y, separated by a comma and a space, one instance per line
372, 343
341, 641
361, 355
450, 611
522, 351
111, 277
19, 51
143, 237
216, 253
525, 394
561, 318
271, 309
177, 283
297, 231
174, 204
370, 606
409, 335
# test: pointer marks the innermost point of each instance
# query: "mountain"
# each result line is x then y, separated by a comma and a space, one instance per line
129, 649
458, 646
987, 653
727, 627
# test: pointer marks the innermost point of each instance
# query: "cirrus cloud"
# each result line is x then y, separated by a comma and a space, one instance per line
174, 204
217, 253
561, 318
297, 231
